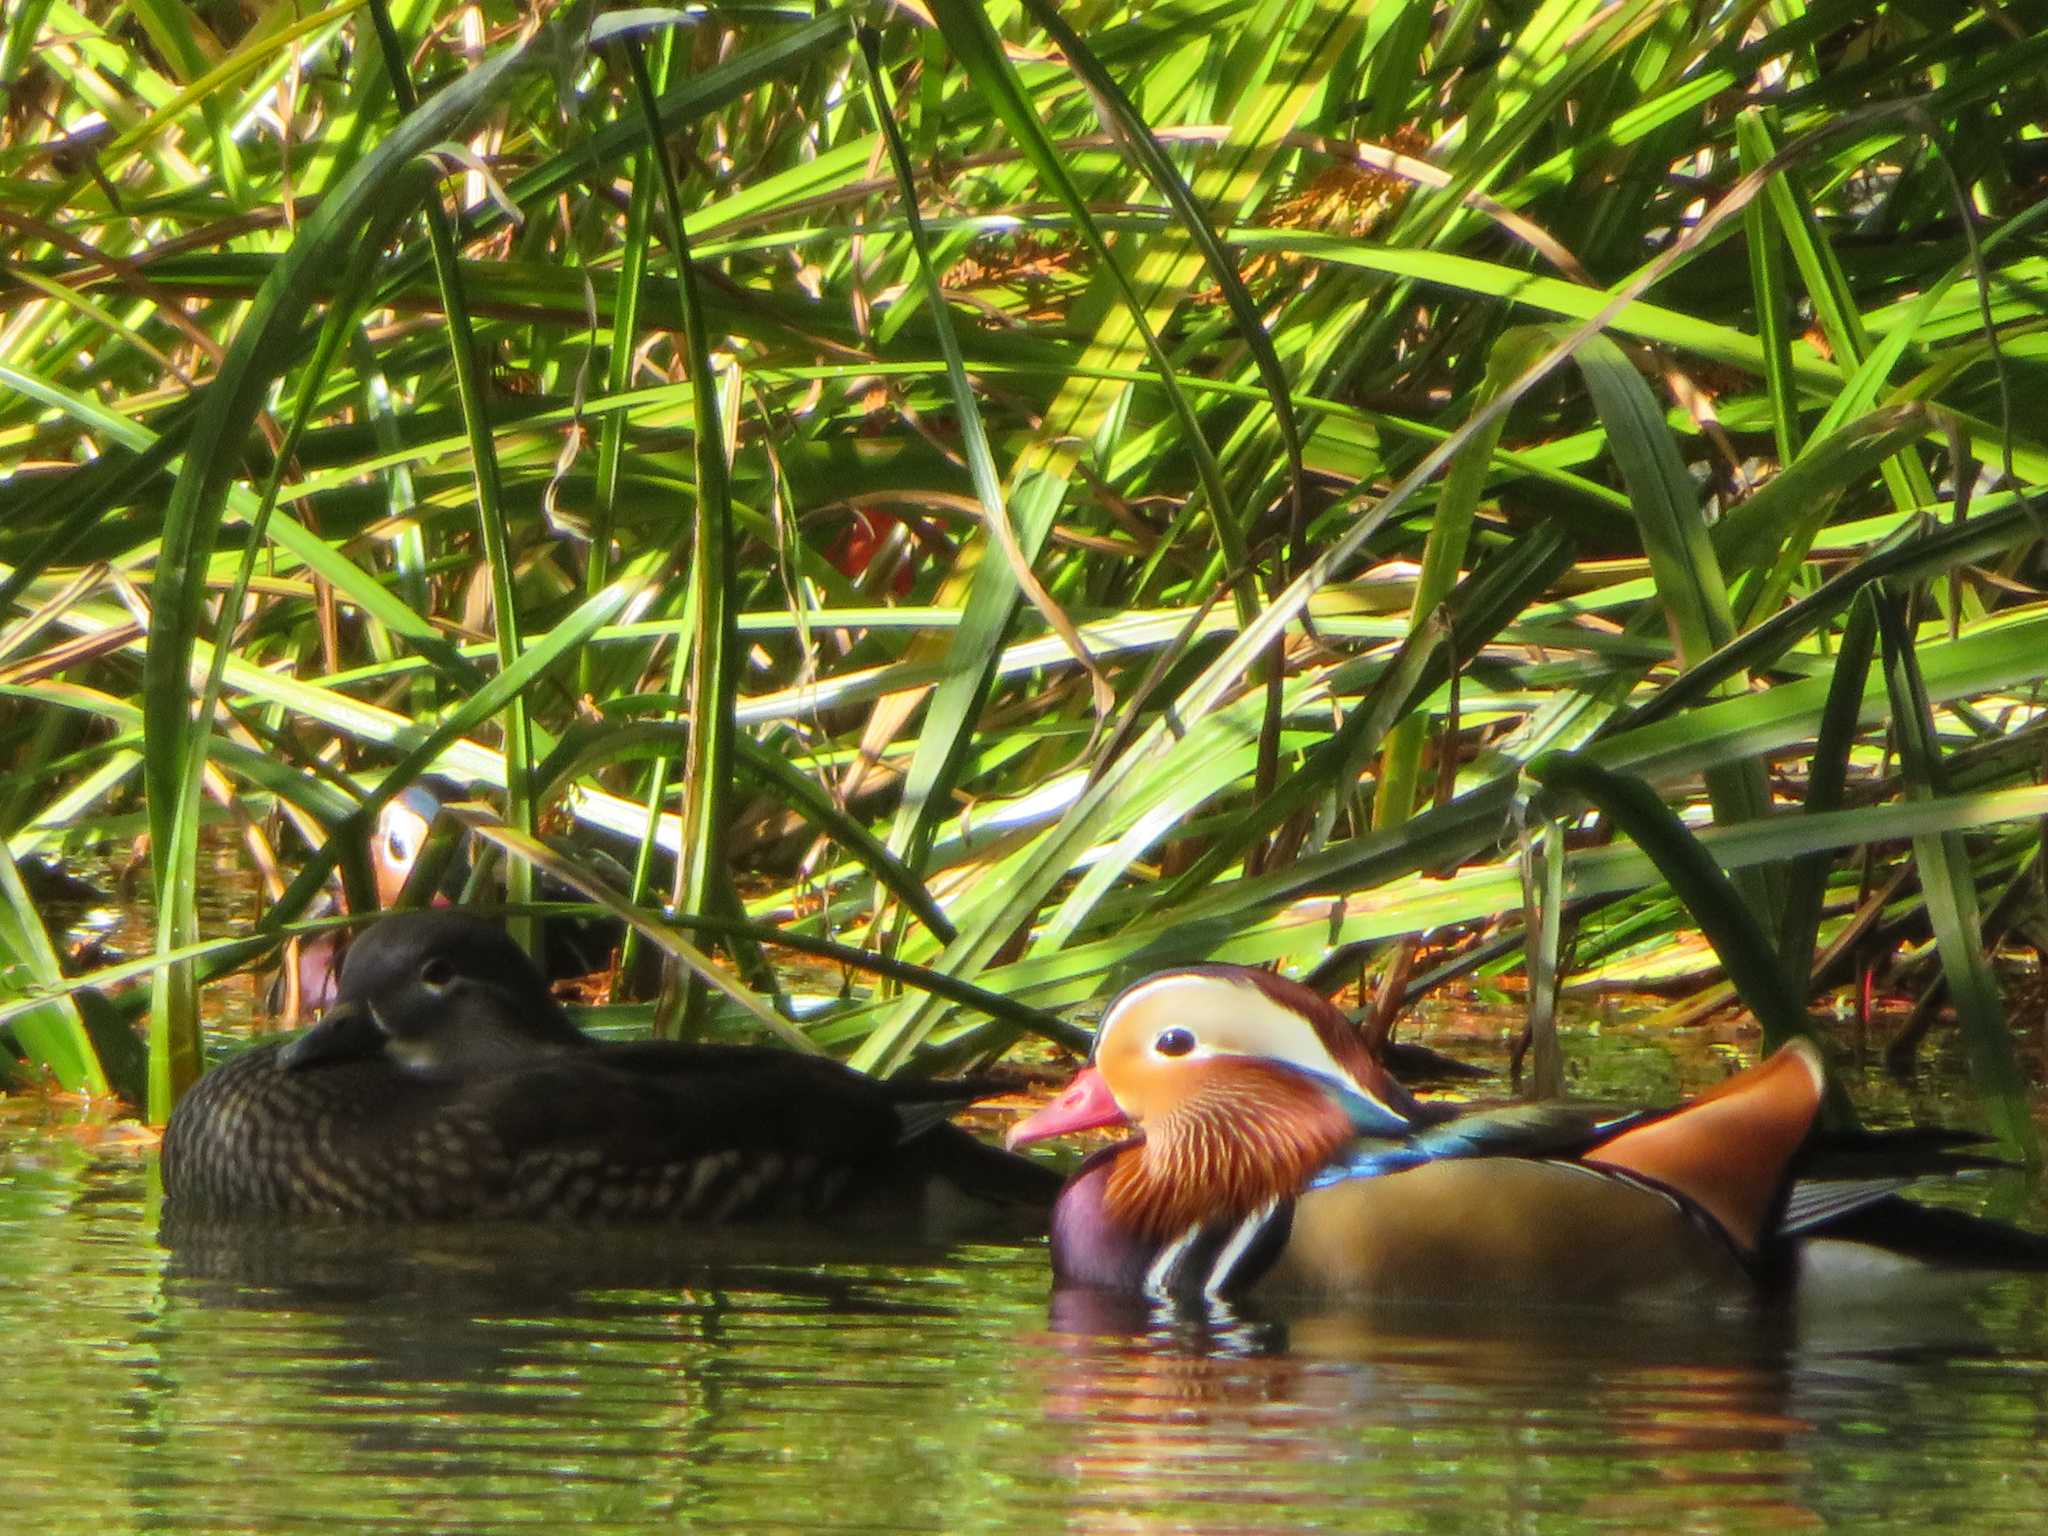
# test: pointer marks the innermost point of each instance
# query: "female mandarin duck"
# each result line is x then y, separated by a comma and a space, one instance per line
446, 1083
1278, 1158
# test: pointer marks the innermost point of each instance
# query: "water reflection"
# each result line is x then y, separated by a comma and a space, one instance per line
428, 1326
1411, 1417
489, 1379
600, 1376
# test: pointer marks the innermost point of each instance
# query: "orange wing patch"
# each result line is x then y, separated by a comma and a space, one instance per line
1728, 1150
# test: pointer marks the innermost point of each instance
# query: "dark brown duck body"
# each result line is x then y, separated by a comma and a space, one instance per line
446, 1085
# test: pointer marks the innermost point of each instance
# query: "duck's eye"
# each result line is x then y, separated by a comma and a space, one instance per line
437, 973
398, 847
1174, 1042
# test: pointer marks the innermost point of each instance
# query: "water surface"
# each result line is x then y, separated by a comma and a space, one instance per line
635, 1381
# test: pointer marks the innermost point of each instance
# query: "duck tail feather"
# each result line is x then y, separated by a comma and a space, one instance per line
983, 1172
1946, 1238
956, 1091
1908, 1153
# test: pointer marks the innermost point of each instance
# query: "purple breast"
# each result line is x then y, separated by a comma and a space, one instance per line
1089, 1247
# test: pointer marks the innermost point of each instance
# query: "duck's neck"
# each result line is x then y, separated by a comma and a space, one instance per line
1246, 1134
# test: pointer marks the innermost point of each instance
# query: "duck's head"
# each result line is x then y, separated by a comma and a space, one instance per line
438, 993
401, 833
1243, 1083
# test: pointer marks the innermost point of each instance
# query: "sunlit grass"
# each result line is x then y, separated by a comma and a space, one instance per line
1195, 580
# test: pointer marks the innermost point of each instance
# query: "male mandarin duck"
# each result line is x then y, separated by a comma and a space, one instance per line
1277, 1157
571, 946
394, 848
446, 1083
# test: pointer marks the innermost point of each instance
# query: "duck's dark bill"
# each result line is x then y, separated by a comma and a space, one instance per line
345, 1032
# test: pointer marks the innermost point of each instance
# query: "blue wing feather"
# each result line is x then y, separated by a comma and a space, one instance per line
1518, 1130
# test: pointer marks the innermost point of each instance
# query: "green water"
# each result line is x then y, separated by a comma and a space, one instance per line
506, 1381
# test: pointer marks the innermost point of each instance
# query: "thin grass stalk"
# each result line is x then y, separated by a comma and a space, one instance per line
1443, 557
1827, 781
1948, 883
635, 247
702, 879
369, 199
492, 528
1543, 924
1767, 284
1724, 918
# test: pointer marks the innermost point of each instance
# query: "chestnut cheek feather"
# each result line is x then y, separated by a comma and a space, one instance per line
1250, 1132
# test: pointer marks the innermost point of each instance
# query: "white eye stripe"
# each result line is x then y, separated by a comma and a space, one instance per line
1134, 995
1227, 1016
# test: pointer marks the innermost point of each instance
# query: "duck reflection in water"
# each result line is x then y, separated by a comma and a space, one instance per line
1171, 1415
537, 1355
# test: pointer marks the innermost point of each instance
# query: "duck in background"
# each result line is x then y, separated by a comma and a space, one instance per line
446, 1084
1278, 1158
571, 946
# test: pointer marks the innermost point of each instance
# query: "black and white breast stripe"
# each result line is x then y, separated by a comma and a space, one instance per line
1222, 1256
